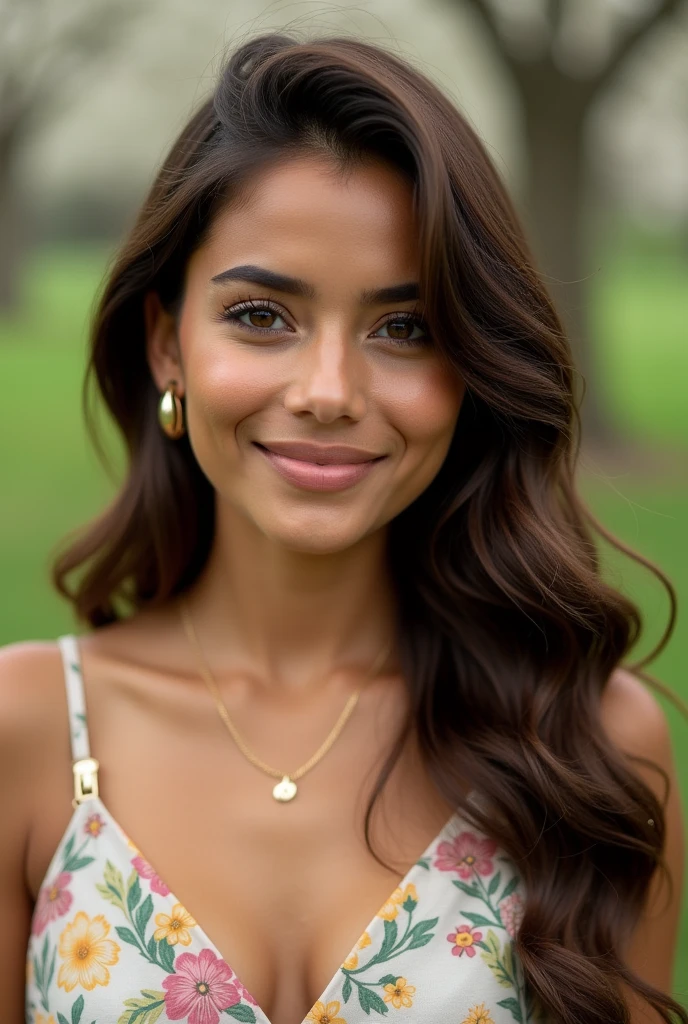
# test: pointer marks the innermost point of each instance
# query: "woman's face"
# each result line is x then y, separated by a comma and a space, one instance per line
316, 403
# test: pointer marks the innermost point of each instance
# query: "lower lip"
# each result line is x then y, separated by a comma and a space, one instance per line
312, 477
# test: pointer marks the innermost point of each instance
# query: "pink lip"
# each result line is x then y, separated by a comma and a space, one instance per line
326, 454
336, 468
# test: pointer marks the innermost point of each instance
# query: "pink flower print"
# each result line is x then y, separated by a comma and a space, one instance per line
466, 854
53, 901
94, 825
463, 940
200, 989
146, 871
511, 909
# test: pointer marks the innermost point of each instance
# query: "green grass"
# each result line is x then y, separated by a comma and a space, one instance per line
52, 481
640, 308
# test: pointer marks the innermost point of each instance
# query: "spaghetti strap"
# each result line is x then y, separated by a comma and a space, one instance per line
76, 701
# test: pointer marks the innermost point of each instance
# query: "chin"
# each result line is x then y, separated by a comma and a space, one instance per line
317, 535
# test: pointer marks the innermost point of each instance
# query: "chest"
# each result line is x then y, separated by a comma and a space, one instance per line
283, 891
189, 887
111, 940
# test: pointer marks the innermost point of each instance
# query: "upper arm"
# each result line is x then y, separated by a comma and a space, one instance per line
636, 724
24, 669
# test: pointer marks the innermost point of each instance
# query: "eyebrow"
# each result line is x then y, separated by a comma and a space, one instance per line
268, 278
407, 292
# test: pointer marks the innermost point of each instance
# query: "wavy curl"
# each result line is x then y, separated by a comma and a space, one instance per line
508, 633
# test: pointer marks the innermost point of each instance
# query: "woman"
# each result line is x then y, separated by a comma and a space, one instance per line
349, 510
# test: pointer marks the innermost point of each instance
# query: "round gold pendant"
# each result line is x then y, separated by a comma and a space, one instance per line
284, 790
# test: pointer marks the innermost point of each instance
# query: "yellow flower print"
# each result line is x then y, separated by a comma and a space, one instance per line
351, 961
389, 910
478, 1015
174, 927
322, 1014
400, 993
40, 1019
86, 953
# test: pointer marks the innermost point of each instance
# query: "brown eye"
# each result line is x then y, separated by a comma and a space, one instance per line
401, 329
261, 318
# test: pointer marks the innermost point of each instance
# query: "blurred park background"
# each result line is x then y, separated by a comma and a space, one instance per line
583, 105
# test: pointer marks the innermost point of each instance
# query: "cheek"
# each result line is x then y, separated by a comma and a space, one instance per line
424, 409
223, 389
424, 412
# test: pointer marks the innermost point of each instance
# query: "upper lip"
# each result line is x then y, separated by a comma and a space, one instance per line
325, 454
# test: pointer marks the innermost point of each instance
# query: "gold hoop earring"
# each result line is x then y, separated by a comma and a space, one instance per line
171, 412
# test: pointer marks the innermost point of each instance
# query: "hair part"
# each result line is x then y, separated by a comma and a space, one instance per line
508, 633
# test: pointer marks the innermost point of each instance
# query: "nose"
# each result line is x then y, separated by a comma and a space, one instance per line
329, 382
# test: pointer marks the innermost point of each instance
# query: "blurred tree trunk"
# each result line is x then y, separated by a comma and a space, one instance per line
12, 224
555, 212
556, 98
47, 49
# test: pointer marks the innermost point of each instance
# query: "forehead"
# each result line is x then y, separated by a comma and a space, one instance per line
309, 217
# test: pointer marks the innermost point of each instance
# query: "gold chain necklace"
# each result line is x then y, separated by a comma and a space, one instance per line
286, 788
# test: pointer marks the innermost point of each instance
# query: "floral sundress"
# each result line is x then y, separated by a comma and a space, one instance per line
111, 944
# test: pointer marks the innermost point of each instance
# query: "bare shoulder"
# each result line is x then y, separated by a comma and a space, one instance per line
30, 741
30, 690
33, 717
633, 717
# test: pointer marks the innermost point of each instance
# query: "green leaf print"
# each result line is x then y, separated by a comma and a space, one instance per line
145, 1010
166, 955
423, 862
77, 1010
43, 972
419, 931
370, 1000
388, 941
469, 890
509, 888
113, 890
393, 945
477, 919
242, 1012
143, 914
133, 892
78, 862
508, 960
127, 935
493, 957
514, 1008
73, 859
112, 887
61, 1019
494, 884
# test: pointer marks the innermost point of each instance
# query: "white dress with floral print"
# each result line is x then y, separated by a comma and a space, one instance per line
110, 943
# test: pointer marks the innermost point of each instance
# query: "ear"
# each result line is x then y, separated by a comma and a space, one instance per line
162, 344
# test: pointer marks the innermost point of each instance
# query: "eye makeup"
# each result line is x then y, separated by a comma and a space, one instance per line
258, 316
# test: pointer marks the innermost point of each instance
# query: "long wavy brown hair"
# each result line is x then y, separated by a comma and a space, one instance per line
508, 633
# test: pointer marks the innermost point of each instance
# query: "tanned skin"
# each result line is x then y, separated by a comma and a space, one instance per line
291, 609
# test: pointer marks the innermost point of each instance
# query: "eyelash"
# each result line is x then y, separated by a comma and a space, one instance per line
236, 310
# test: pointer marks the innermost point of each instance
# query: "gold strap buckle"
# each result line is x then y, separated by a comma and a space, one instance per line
85, 779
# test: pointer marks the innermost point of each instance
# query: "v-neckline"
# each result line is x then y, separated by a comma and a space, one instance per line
205, 940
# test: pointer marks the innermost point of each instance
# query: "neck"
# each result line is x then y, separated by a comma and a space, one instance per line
288, 616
